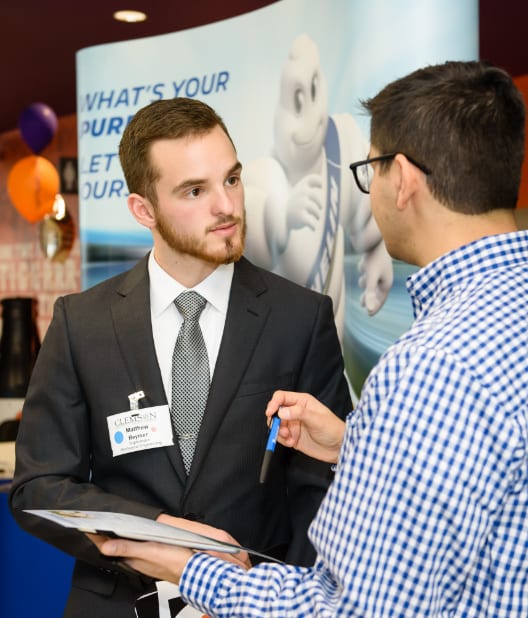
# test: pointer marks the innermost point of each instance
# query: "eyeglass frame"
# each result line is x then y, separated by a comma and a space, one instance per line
384, 157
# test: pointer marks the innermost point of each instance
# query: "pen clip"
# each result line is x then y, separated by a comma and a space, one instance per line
272, 433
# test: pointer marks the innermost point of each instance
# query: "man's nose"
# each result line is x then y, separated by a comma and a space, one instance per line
224, 202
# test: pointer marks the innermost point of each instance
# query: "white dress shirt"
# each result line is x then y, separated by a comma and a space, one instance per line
166, 319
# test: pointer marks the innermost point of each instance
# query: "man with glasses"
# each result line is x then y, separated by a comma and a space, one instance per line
427, 514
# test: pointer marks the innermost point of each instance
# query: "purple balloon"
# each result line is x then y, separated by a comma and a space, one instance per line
38, 124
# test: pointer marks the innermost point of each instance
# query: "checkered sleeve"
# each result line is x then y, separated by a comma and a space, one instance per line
220, 589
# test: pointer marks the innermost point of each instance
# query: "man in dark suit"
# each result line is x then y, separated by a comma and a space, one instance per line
96, 430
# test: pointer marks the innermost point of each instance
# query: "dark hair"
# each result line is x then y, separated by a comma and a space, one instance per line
165, 119
462, 120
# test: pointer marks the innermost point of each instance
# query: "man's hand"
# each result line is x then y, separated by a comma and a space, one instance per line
241, 558
160, 560
307, 425
157, 560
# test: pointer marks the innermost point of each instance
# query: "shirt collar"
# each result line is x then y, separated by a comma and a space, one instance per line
164, 289
455, 268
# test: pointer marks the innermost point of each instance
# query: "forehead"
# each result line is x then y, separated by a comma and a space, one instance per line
211, 150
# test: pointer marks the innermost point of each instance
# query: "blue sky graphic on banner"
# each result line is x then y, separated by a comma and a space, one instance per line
287, 80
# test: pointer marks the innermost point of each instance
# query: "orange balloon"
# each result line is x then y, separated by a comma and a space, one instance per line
32, 185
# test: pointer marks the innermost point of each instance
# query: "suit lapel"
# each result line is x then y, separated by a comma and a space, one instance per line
133, 327
247, 313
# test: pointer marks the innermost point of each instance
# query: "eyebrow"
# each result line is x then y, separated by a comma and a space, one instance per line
237, 167
192, 182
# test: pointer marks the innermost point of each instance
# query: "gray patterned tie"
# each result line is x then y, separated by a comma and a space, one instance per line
190, 375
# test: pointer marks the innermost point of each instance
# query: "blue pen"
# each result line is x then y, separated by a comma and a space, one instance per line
270, 446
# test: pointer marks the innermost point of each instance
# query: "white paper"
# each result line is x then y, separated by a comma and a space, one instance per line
132, 527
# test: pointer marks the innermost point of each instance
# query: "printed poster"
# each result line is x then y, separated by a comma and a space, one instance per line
287, 80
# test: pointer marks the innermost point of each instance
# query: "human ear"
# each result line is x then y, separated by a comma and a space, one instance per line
141, 209
408, 180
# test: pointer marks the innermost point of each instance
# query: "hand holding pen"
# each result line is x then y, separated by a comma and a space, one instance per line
305, 425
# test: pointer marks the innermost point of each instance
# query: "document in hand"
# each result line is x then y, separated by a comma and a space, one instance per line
139, 529
132, 527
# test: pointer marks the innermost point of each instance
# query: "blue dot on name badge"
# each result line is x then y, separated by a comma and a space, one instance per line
118, 437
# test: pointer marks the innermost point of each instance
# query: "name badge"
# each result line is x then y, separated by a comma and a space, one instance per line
138, 430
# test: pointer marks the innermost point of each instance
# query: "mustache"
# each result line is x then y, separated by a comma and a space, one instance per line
223, 220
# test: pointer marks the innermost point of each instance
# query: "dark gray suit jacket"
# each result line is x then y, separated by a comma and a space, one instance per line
98, 349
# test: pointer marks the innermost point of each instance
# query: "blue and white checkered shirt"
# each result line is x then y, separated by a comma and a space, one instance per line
428, 512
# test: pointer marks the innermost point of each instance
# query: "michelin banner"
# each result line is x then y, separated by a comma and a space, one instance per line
287, 79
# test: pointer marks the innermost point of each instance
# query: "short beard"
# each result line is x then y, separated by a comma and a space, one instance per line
189, 245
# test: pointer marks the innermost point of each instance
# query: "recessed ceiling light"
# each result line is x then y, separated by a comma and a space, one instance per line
130, 17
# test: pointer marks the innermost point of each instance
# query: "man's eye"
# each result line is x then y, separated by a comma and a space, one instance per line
194, 192
233, 181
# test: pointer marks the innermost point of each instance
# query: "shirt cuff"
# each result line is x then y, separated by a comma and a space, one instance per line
201, 580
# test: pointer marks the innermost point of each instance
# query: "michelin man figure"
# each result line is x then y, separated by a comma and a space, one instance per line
302, 199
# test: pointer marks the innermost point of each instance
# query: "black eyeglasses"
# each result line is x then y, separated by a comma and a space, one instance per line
364, 172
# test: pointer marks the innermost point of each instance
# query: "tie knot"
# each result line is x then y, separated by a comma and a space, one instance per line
190, 305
